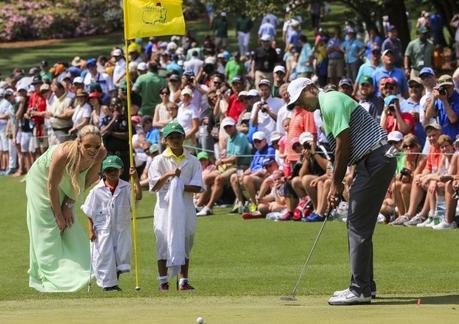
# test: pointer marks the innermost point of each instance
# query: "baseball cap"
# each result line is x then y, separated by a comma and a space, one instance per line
366, 80
117, 52
95, 94
259, 135
210, 60
173, 127
391, 28
223, 14
422, 30
434, 126
305, 137
78, 80
188, 73
264, 82
243, 94
142, 66
76, 61
265, 38
426, 70
415, 80
187, 91
445, 79
81, 93
295, 88
36, 80
246, 116
134, 47
388, 100
112, 161
153, 148
388, 80
387, 51
203, 156
9, 92
279, 68
345, 82
275, 136
237, 78
395, 136
91, 62
44, 87
74, 70
252, 93
228, 121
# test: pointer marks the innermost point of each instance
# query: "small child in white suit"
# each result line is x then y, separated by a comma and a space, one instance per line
108, 207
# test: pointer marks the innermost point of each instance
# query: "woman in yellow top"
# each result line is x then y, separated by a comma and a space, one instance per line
59, 249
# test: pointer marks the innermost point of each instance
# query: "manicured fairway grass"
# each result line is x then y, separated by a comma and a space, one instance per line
239, 269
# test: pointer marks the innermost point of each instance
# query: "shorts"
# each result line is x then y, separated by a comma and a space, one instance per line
335, 68
27, 142
226, 175
289, 191
3, 141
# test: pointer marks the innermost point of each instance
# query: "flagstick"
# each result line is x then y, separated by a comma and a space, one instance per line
131, 158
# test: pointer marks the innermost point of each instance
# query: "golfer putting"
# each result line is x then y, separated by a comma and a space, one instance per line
357, 139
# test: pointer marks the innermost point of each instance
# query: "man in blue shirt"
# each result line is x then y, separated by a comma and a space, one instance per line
335, 57
367, 69
353, 49
394, 43
389, 70
445, 106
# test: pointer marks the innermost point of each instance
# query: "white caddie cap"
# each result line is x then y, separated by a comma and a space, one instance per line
78, 80
294, 90
259, 135
228, 121
279, 68
142, 66
275, 136
306, 137
395, 136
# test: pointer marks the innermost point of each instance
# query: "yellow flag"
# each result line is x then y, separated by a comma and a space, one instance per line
145, 18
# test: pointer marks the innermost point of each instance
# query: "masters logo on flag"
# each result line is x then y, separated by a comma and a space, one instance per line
145, 18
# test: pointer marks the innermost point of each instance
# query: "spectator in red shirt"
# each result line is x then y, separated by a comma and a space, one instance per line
235, 104
37, 111
392, 119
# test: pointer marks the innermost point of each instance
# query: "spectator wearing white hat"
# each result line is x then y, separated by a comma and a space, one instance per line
119, 71
264, 112
6, 107
278, 80
264, 60
188, 116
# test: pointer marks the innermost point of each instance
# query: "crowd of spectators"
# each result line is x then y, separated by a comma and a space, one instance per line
232, 106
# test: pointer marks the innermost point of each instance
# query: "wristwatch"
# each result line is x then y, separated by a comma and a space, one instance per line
69, 204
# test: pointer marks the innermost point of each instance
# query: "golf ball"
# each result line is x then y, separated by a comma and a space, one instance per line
199, 320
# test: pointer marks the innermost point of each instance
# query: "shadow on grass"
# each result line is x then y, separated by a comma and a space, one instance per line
423, 300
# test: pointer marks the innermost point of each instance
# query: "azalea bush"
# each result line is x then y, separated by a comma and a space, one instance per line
44, 19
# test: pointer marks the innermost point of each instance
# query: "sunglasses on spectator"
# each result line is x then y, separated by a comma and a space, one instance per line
164, 93
389, 86
257, 141
408, 146
445, 146
415, 86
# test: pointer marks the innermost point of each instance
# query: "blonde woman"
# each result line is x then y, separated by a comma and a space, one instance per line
59, 249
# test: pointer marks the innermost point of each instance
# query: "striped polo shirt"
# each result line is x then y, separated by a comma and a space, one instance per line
340, 112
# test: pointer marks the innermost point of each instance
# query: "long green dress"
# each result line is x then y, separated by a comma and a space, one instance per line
58, 262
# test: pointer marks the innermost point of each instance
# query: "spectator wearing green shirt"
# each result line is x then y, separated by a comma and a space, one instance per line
220, 28
243, 26
149, 86
418, 53
234, 67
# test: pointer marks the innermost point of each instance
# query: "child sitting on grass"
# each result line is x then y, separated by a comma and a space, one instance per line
108, 207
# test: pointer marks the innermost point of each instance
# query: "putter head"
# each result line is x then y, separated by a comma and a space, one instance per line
288, 298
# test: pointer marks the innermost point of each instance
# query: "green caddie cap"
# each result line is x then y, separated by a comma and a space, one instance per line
112, 161
173, 127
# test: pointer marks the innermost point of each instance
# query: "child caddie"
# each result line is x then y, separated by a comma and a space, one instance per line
108, 207
175, 175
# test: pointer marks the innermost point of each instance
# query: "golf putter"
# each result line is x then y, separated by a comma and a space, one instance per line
292, 296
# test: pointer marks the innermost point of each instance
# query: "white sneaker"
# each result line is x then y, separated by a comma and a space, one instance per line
340, 292
427, 223
400, 220
347, 297
205, 212
418, 219
381, 219
444, 225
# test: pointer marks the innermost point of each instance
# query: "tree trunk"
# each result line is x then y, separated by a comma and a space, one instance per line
396, 11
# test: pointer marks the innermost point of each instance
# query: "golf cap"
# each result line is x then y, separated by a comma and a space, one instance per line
252, 93
265, 82
80, 93
388, 100
246, 116
23, 88
76, 61
187, 92
445, 79
112, 161
392, 28
387, 51
134, 47
275, 136
259, 135
345, 82
366, 80
426, 71
295, 88
415, 80
305, 137
74, 70
223, 14
422, 30
44, 87
243, 94
9, 92
434, 126
265, 38
236, 79
117, 52
279, 68
395, 136
37, 80
173, 127
188, 73
142, 66
153, 148
388, 80
210, 60
91, 62
228, 121
203, 156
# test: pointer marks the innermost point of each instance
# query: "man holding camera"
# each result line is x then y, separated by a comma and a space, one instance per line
392, 119
445, 106
264, 112
357, 139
